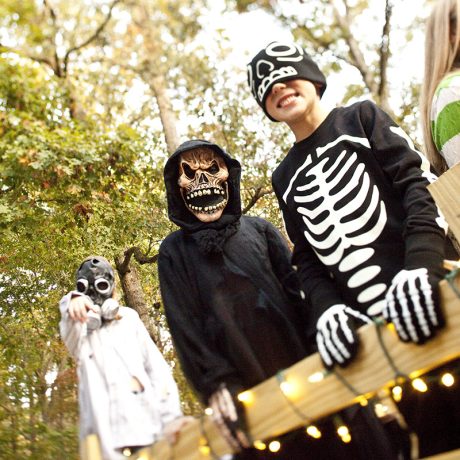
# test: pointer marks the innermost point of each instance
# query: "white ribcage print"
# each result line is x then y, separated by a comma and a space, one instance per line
343, 214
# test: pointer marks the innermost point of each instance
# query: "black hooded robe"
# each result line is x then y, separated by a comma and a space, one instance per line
233, 306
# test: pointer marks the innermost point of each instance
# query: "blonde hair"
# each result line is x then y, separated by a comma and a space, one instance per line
440, 54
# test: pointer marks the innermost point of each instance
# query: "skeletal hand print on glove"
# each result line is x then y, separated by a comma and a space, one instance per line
411, 307
336, 334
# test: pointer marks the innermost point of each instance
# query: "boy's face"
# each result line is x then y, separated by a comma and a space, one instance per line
292, 100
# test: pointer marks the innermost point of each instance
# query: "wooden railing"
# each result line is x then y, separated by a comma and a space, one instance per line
270, 414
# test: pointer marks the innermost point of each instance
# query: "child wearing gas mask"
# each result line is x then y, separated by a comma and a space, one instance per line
127, 395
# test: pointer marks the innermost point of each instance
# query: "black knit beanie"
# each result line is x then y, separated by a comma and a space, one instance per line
279, 62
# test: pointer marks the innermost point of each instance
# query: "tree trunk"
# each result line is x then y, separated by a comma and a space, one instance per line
168, 118
134, 296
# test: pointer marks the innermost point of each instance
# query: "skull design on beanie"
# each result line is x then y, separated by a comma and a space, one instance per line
279, 62
203, 181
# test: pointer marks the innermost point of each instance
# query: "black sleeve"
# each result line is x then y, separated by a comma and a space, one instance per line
319, 290
409, 173
203, 368
280, 259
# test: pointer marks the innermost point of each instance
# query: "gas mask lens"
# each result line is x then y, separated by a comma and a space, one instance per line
82, 285
102, 286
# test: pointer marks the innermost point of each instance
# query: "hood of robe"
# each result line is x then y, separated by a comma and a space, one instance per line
178, 212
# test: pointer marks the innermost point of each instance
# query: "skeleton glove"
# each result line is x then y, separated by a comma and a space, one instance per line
336, 336
228, 415
412, 305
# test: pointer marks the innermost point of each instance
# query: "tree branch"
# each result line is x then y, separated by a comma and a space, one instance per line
384, 51
140, 257
41, 60
91, 38
355, 51
258, 194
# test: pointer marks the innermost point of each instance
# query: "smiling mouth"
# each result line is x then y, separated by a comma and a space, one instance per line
286, 100
208, 199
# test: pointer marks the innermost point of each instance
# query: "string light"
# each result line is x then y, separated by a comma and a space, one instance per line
313, 431
447, 379
274, 446
288, 388
259, 445
127, 452
208, 411
419, 385
397, 392
246, 397
380, 410
204, 446
317, 377
205, 450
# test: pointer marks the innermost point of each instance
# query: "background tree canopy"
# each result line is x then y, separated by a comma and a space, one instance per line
94, 95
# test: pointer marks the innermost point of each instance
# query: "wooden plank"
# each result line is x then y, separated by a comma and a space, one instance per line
269, 414
90, 448
452, 455
446, 192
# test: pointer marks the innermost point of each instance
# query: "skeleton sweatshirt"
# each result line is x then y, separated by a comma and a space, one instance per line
234, 313
354, 201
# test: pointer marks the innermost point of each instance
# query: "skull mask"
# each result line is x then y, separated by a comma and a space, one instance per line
95, 278
203, 182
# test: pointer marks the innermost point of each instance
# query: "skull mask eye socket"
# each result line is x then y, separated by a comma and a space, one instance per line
214, 168
188, 171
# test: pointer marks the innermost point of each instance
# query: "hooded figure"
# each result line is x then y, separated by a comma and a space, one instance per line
231, 296
232, 299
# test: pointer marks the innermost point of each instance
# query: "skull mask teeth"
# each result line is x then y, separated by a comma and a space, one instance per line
203, 182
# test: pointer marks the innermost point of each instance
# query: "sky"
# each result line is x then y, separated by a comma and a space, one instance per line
250, 32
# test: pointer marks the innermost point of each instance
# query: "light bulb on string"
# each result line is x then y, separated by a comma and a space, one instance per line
419, 385
208, 411
274, 446
205, 450
313, 431
342, 430
397, 393
259, 445
447, 379
204, 446
287, 388
246, 397
316, 377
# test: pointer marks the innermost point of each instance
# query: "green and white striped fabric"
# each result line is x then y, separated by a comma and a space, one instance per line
445, 118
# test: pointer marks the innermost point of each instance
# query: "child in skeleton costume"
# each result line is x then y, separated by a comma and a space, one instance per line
127, 395
232, 301
368, 239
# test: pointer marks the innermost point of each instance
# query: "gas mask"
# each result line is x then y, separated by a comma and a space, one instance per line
203, 183
95, 278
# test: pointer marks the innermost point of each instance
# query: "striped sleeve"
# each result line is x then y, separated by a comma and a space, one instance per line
445, 119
